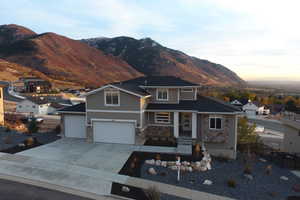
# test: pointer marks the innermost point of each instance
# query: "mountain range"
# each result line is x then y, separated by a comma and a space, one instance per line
96, 61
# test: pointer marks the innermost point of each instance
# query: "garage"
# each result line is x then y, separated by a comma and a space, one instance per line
114, 132
74, 126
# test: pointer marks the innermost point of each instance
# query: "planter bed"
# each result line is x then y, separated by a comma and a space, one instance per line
162, 143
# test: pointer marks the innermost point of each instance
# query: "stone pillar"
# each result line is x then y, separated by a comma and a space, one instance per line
176, 124
194, 125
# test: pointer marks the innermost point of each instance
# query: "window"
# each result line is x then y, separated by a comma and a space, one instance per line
187, 90
162, 117
215, 123
112, 98
162, 94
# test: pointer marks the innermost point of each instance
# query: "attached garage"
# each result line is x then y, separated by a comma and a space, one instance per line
114, 132
74, 126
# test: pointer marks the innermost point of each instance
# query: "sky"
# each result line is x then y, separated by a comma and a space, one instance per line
257, 39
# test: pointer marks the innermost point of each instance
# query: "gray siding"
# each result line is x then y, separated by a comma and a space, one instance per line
173, 95
127, 102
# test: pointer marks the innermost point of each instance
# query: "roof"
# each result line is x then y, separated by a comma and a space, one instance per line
203, 104
132, 88
37, 100
78, 108
160, 81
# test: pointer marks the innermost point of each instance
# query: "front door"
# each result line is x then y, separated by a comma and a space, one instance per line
185, 125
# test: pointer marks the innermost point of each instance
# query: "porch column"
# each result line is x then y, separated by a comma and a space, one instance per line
176, 124
194, 125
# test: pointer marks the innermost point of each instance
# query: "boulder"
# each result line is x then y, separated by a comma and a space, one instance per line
284, 178
152, 171
173, 167
207, 182
158, 162
190, 169
125, 189
150, 162
248, 176
262, 160
164, 163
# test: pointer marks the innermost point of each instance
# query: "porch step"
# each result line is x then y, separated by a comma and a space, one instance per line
184, 141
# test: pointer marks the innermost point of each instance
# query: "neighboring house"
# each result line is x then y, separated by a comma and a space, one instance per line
38, 106
291, 141
1, 105
153, 107
35, 85
236, 103
250, 109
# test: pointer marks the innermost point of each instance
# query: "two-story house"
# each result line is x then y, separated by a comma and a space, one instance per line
1, 105
153, 106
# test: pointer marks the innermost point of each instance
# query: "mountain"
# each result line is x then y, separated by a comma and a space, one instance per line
61, 58
151, 58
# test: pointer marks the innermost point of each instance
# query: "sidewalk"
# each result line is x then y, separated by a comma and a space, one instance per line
81, 180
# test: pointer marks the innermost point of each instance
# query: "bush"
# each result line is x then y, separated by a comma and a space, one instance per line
247, 170
57, 129
32, 126
231, 183
152, 193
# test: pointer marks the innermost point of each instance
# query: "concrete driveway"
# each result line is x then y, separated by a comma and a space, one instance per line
107, 157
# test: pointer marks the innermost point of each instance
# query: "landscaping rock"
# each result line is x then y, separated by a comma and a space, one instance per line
248, 176
284, 178
125, 189
150, 162
164, 163
158, 162
152, 171
207, 182
262, 160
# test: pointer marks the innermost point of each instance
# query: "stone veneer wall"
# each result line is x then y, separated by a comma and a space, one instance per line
158, 131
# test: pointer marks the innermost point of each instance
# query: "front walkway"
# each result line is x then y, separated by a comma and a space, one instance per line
84, 181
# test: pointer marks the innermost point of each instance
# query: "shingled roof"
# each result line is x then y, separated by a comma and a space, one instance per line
78, 108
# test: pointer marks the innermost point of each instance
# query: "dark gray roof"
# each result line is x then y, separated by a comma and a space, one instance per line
132, 88
76, 108
160, 81
203, 104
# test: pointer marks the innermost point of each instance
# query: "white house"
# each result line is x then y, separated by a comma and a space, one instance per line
250, 109
36, 106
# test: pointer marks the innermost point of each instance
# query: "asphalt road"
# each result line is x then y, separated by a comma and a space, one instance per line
7, 96
10, 190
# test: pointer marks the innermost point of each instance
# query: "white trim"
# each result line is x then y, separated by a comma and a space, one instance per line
178, 95
185, 90
113, 120
215, 117
196, 91
194, 125
114, 111
165, 89
71, 112
106, 92
113, 86
195, 111
161, 122
176, 124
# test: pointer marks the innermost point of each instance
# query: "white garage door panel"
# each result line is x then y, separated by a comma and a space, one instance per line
75, 126
114, 132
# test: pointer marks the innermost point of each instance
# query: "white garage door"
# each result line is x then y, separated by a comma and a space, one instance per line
74, 126
114, 132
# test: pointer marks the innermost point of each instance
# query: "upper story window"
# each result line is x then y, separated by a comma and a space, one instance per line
215, 123
162, 94
112, 97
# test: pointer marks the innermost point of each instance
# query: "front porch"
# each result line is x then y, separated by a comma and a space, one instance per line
168, 125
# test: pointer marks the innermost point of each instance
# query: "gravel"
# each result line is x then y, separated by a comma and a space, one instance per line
262, 187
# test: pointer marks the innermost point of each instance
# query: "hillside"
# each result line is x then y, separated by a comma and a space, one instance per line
151, 58
61, 58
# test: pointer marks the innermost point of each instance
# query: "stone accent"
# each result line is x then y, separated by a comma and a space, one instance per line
216, 136
158, 132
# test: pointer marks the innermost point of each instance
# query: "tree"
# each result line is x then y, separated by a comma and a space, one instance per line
246, 132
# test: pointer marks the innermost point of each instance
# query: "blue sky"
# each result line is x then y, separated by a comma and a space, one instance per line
256, 39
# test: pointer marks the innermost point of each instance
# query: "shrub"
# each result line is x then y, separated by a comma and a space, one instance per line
157, 157
32, 126
247, 170
231, 183
152, 193
29, 141
57, 129
7, 129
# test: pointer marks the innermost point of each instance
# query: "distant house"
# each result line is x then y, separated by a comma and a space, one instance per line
236, 103
35, 85
250, 109
1, 105
40, 105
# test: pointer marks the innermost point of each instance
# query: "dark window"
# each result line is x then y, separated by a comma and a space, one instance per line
112, 98
215, 123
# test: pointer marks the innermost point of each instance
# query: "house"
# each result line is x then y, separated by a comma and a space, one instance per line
40, 105
35, 85
152, 107
250, 109
1, 105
